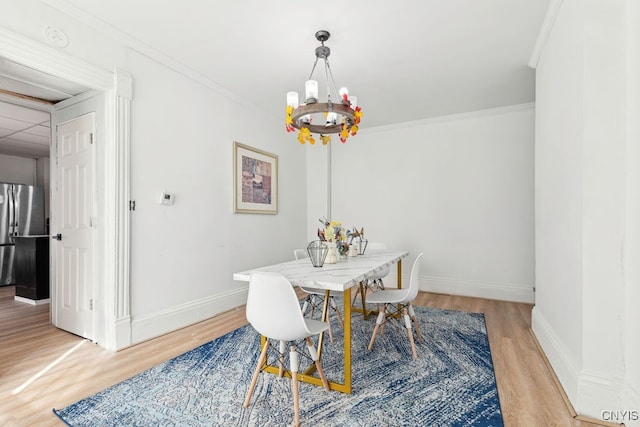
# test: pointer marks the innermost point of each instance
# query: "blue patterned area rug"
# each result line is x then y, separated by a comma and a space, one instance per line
451, 384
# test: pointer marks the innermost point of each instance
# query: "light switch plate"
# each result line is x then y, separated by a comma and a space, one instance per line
166, 198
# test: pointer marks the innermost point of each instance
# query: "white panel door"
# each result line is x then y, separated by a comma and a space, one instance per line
75, 228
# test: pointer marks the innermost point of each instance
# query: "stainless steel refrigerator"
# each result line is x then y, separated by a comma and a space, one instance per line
21, 214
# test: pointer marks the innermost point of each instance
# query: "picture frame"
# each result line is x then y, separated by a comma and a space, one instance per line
255, 180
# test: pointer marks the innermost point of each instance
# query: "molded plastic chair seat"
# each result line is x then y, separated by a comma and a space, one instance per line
273, 310
390, 296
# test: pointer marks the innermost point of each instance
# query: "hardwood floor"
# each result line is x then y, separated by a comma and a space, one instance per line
42, 367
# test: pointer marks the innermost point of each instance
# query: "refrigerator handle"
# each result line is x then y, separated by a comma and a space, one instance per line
12, 214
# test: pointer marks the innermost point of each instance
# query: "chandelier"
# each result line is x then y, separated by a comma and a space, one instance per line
341, 116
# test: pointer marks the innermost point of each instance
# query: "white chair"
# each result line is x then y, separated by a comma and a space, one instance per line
315, 297
397, 300
372, 281
375, 278
274, 311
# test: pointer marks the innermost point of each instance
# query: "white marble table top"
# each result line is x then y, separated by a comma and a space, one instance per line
334, 277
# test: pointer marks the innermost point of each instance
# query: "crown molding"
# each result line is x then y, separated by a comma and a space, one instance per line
545, 31
450, 118
25, 51
132, 43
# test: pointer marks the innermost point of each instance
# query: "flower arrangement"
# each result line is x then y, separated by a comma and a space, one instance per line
333, 231
355, 234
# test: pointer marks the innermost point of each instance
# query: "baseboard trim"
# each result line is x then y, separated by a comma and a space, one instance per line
497, 291
566, 400
541, 331
122, 333
553, 349
32, 301
162, 322
631, 397
599, 393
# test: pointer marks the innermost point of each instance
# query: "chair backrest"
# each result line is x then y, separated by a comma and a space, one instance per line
300, 253
376, 246
414, 286
384, 271
273, 308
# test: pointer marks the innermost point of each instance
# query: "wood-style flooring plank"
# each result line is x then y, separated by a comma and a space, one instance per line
42, 367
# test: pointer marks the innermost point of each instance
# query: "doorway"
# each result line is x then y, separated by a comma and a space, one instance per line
26, 153
111, 313
24, 160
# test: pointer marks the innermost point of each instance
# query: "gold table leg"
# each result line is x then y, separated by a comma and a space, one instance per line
325, 315
347, 340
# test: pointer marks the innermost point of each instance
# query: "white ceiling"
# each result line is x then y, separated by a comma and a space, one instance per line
405, 60
24, 132
25, 119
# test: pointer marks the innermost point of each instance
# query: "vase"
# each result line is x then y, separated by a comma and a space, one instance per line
361, 244
332, 255
317, 251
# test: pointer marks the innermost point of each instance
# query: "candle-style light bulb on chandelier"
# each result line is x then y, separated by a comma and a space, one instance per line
340, 115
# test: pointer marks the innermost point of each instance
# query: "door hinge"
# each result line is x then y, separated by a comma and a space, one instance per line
132, 205
91, 138
91, 304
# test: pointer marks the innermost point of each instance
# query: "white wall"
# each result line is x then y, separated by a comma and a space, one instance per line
584, 198
43, 179
182, 133
17, 170
184, 255
631, 393
458, 188
559, 197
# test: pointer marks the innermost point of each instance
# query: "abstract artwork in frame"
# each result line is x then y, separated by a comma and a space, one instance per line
255, 175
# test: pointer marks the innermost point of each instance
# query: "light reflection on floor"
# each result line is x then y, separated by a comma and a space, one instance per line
47, 368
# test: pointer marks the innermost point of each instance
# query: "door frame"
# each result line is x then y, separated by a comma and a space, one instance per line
112, 314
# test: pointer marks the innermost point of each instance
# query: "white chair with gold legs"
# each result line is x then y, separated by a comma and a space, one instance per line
372, 281
274, 311
315, 297
395, 303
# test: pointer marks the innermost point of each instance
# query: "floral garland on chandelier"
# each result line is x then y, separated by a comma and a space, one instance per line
305, 134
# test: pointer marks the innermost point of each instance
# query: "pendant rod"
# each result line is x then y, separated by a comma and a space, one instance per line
329, 181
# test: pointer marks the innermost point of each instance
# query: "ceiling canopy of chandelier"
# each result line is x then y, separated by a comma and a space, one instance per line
341, 116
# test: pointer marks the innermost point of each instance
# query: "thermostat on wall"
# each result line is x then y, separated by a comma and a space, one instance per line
166, 198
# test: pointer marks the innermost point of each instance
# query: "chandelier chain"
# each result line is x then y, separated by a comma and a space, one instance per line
326, 76
313, 68
330, 74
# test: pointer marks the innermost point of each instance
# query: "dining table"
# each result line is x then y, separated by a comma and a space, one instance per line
341, 276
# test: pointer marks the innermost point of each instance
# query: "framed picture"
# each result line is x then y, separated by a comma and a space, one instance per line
255, 180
